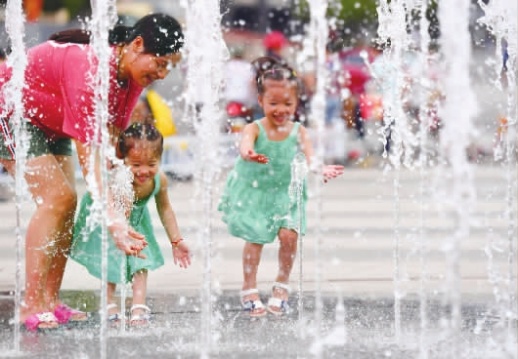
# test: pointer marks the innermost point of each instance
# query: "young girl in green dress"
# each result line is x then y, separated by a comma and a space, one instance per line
256, 202
140, 146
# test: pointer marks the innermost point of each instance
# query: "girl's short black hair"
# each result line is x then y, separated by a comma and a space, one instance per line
268, 68
136, 132
162, 34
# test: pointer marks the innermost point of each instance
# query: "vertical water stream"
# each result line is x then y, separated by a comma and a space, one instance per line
15, 27
206, 52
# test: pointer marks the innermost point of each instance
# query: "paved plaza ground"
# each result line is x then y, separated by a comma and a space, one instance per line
371, 234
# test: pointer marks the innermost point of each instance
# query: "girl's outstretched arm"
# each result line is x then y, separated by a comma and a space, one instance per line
125, 238
246, 147
181, 252
328, 171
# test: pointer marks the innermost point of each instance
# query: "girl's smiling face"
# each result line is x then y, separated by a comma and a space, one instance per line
279, 101
144, 163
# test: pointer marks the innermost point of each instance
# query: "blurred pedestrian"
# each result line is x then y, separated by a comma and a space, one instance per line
274, 43
334, 85
3, 55
239, 90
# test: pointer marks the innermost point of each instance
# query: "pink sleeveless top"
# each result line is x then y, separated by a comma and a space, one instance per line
58, 93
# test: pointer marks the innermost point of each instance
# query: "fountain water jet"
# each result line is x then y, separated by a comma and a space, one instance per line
206, 53
392, 31
104, 17
501, 19
318, 37
15, 29
459, 193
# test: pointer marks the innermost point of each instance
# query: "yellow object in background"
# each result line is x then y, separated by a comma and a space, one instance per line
162, 114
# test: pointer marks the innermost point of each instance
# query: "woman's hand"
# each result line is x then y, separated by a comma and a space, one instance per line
256, 157
127, 239
181, 254
332, 171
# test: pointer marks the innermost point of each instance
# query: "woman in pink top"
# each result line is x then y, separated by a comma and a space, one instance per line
59, 106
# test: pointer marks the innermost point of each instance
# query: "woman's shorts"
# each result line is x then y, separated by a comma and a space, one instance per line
39, 143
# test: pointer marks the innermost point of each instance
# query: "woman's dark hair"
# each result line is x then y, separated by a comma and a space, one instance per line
137, 132
161, 33
268, 68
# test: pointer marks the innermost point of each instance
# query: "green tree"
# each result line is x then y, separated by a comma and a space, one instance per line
74, 7
350, 21
353, 21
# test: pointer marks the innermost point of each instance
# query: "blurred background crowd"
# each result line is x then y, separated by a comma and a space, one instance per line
252, 28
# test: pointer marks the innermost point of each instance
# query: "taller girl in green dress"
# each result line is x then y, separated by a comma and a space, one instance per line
141, 147
256, 203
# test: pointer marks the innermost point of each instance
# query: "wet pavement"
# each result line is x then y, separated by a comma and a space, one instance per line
349, 256
361, 328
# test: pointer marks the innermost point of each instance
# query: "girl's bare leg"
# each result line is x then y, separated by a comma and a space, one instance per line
110, 293
140, 287
139, 296
110, 298
55, 200
287, 253
251, 258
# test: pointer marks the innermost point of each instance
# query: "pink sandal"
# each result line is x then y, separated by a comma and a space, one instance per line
64, 314
32, 323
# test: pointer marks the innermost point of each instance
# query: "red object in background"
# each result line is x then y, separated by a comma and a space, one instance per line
235, 109
371, 107
356, 71
32, 9
275, 40
355, 79
238, 115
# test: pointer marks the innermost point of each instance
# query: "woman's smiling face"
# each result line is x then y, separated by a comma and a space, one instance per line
148, 68
145, 68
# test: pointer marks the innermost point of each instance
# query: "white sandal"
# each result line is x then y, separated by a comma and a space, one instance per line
140, 320
115, 317
255, 307
281, 304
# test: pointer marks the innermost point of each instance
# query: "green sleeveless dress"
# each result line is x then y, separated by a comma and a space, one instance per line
256, 201
86, 245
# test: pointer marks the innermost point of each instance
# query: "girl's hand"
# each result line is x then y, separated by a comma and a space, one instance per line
332, 171
128, 240
181, 254
256, 157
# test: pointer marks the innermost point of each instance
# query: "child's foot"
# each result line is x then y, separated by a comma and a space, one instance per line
251, 302
114, 316
278, 303
140, 316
